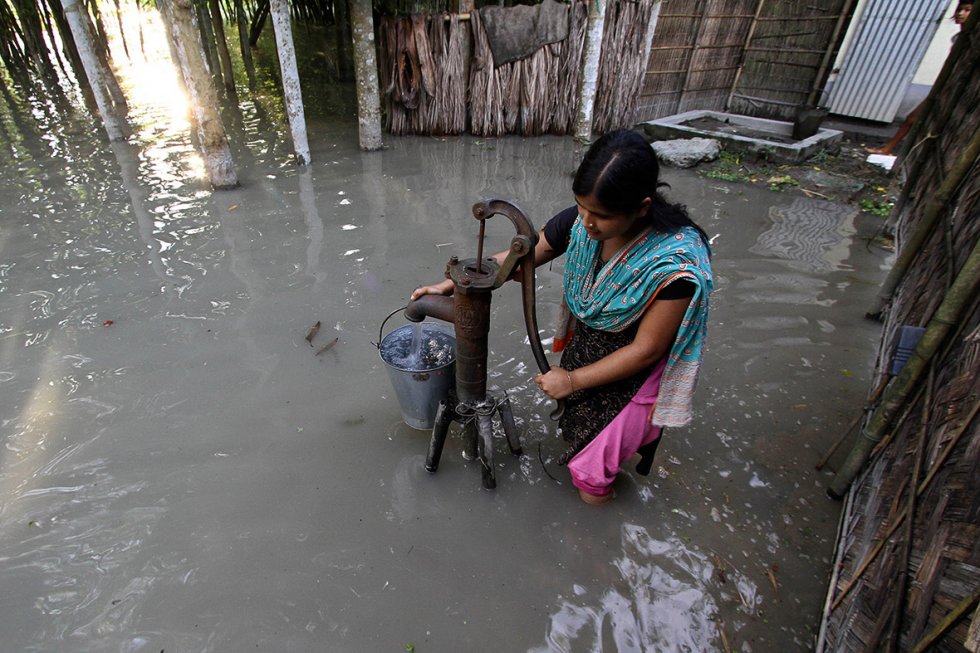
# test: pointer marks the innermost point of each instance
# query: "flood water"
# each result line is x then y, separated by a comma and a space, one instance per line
180, 471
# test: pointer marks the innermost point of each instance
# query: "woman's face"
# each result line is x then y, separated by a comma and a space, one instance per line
962, 13
602, 224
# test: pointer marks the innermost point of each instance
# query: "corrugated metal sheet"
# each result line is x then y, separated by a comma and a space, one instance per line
888, 46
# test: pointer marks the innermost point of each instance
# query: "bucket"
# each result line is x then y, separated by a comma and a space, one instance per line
808, 121
420, 382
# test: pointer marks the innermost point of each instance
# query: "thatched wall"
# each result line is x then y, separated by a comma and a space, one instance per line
921, 580
438, 75
621, 67
754, 57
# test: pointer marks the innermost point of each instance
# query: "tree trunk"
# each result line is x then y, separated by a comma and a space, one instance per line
366, 70
49, 30
246, 47
258, 20
32, 35
178, 17
342, 27
101, 48
219, 37
290, 79
590, 70
207, 39
78, 23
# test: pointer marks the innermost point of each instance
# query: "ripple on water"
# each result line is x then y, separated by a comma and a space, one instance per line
661, 602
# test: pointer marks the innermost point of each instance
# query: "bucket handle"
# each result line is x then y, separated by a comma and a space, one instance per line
382, 327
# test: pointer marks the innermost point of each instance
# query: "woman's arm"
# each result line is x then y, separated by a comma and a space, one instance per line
543, 253
656, 333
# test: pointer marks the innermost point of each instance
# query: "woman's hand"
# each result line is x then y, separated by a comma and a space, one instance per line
557, 383
441, 288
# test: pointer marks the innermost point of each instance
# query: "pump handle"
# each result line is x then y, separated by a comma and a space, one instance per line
494, 206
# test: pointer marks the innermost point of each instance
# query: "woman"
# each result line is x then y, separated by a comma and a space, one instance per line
636, 283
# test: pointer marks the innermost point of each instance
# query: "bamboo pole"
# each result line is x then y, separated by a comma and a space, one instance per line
897, 523
290, 79
948, 622
178, 18
589, 77
832, 47
933, 212
78, 23
366, 74
745, 47
903, 560
943, 319
698, 41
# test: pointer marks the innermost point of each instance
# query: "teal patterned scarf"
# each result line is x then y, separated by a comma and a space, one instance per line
618, 294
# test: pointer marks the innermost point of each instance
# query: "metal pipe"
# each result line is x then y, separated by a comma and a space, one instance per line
437, 306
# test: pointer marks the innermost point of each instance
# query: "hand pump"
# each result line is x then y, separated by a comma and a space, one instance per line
469, 310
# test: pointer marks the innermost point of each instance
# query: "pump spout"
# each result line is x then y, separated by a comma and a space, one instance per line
437, 306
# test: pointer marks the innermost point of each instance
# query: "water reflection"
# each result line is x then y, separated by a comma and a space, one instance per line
662, 600
812, 235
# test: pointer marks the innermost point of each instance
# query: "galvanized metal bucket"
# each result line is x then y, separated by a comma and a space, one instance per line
419, 391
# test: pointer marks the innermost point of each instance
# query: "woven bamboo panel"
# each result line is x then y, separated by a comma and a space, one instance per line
754, 57
943, 547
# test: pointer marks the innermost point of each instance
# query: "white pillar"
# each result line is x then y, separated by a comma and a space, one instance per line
290, 79
590, 69
78, 23
366, 76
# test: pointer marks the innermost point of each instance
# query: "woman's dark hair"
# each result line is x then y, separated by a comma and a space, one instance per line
620, 170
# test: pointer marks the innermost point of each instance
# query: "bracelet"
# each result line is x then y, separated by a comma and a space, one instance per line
570, 382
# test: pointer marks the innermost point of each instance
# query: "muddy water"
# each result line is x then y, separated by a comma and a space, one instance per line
181, 472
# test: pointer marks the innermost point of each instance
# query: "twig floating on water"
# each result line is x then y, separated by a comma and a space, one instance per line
326, 347
771, 572
312, 332
724, 638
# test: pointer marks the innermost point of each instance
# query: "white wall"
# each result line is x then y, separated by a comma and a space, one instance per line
938, 49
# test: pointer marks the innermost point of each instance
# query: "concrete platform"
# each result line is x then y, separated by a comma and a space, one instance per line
773, 138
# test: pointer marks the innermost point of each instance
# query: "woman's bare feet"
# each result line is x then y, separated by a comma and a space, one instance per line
595, 499
879, 150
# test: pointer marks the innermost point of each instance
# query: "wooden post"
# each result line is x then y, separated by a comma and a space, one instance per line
290, 79
178, 18
366, 74
591, 54
78, 23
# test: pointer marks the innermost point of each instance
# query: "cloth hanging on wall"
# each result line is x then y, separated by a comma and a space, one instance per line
516, 32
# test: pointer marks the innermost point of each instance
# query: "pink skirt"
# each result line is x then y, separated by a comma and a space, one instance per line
594, 468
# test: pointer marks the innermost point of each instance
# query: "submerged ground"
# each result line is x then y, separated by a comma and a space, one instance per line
180, 472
